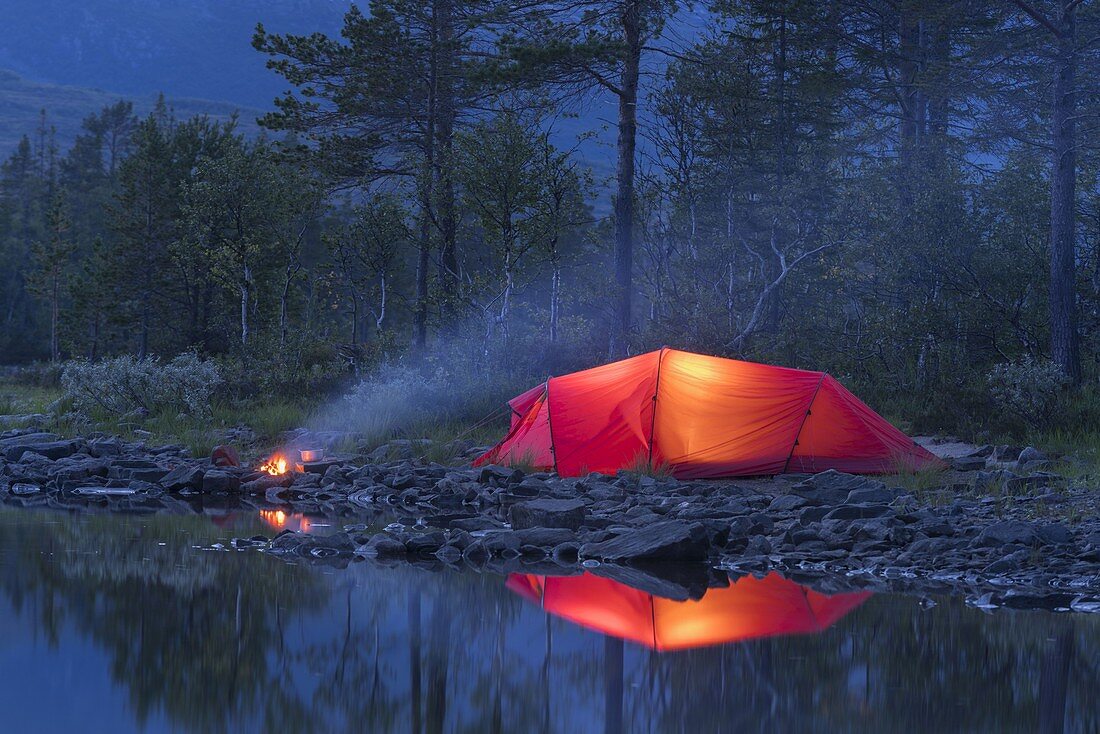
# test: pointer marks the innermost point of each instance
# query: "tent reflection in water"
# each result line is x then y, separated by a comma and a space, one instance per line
701, 417
749, 608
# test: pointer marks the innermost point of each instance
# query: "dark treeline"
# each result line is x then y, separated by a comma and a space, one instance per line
905, 194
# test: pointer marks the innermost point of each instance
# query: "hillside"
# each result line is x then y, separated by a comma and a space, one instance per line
22, 100
184, 48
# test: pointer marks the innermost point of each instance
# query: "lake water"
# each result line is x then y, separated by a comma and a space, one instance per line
124, 623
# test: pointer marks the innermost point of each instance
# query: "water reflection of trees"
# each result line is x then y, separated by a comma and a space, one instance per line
241, 641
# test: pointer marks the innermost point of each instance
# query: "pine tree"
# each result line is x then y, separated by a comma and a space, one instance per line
51, 259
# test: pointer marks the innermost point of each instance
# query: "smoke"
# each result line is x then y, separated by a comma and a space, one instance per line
460, 384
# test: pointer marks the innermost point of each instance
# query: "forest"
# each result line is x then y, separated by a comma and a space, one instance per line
906, 195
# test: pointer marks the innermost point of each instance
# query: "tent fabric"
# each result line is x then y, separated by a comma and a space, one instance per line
750, 608
701, 417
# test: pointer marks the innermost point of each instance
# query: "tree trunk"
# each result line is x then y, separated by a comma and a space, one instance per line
246, 292
613, 685
414, 660
555, 291
284, 319
55, 308
624, 179
1053, 682
1063, 302
423, 255
908, 49
380, 317
445, 77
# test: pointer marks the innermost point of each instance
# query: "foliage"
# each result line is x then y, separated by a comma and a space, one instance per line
183, 384
1028, 390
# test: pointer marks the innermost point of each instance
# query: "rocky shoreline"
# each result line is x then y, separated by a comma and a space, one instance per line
1000, 530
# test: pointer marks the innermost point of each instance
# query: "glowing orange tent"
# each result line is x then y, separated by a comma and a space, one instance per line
701, 417
749, 608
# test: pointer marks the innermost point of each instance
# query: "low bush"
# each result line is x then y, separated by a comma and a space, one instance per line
184, 384
1027, 392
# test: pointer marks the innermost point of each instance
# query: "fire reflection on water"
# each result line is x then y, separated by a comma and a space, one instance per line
281, 520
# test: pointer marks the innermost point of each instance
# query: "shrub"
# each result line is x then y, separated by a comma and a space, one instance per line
1028, 390
184, 385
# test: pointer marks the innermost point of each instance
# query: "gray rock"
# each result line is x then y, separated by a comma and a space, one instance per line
545, 537
811, 515
24, 490
1008, 531
547, 513
425, 543
669, 540
1012, 562
216, 480
382, 545
858, 512
1030, 454
1055, 534
52, 450
787, 502
833, 487
968, 463
873, 495
183, 476
758, 545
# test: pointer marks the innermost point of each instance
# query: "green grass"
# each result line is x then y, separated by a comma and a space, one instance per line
199, 434
16, 397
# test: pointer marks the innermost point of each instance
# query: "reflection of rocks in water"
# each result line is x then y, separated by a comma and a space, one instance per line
232, 642
977, 538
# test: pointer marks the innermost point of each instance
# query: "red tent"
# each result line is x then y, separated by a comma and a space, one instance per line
749, 608
701, 417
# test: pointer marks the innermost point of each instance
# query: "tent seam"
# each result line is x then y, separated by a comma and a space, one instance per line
550, 426
656, 392
805, 417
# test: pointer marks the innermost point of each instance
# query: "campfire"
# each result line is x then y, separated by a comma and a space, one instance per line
278, 464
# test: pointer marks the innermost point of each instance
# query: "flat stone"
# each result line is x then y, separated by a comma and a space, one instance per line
968, 463
1008, 531
833, 487
52, 450
670, 540
216, 480
382, 545
787, 502
859, 512
547, 513
183, 476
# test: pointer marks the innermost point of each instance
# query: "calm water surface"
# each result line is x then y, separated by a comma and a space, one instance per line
121, 623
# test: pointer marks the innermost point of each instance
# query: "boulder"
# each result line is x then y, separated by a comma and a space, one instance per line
787, 502
216, 480
669, 540
225, 456
52, 450
1055, 534
858, 512
968, 463
545, 537
1006, 532
182, 477
547, 513
1030, 453
833, 487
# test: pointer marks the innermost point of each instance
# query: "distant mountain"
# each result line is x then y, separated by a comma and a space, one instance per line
183, 48
21, 103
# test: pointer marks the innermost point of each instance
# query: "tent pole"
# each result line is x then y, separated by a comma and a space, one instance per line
809, 409
656, 390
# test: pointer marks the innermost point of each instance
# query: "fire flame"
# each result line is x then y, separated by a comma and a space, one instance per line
274, 466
